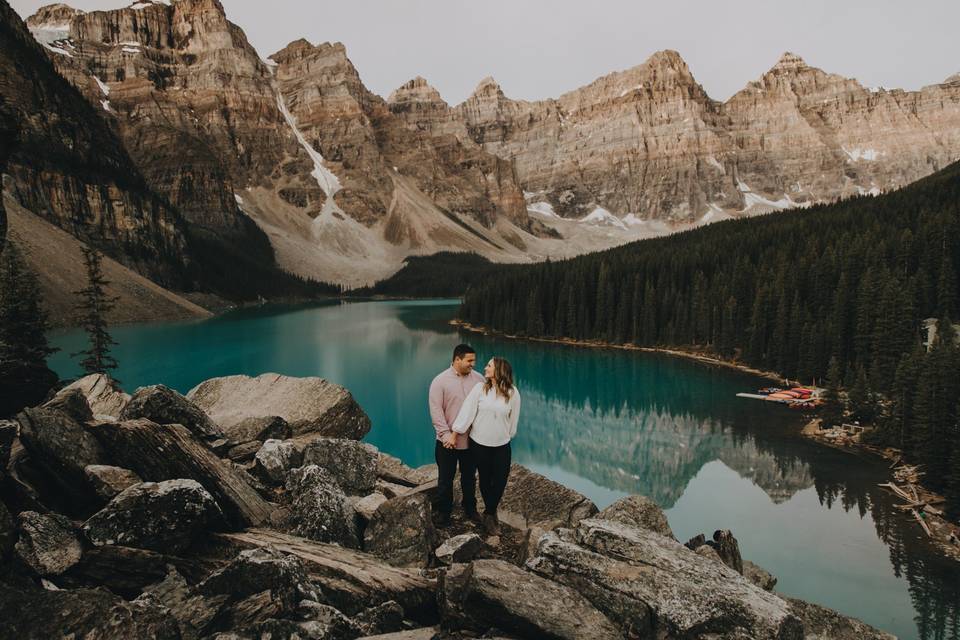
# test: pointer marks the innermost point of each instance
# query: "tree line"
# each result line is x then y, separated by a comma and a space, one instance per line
841, 289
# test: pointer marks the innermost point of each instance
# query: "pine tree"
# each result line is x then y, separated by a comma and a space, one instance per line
832, 412
862, 403
25, 378
93, 307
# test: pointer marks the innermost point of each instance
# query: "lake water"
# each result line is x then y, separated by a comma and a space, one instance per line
608, 423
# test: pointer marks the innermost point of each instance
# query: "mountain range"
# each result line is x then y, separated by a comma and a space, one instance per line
159, 133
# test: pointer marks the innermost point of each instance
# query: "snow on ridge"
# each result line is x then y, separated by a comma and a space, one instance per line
130, 50
601, 216
632, 220
543, 208
106, 106
62, 52
103, 86
239, 200
751, 199
631, 90
50, 33
328, 182
857, 153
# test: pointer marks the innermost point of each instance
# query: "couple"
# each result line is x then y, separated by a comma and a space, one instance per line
475, 418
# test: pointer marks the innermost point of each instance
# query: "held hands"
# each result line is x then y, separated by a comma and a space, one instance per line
450, 442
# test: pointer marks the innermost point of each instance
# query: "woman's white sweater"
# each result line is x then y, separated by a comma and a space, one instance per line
491, 420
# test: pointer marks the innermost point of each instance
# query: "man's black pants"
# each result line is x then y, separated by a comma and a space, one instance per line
493, 467
447, 461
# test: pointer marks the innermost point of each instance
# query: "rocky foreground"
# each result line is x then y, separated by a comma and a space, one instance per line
251, 509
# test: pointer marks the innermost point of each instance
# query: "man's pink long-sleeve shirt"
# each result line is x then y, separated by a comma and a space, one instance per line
447, 393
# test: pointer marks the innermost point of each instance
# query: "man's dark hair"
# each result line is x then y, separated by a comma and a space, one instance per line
461, 350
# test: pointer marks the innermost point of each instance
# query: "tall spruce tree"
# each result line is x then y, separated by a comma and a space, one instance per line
93, 307
25, 378
832, 413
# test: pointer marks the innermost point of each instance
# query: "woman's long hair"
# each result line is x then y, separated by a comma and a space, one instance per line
502, 378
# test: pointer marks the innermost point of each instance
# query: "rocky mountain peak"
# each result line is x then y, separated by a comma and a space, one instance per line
53, 14
667, 58
954, 78
417, 90
789, 62
487, 88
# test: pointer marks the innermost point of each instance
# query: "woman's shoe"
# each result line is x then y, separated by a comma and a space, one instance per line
491, 524
475, 518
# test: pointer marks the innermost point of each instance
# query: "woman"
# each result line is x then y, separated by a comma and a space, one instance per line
490, 413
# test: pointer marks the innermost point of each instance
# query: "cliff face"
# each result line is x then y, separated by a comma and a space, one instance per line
67, 165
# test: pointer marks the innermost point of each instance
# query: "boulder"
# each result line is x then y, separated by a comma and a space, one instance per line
319, 508
244, 452
368, 505
47, 543
163, 516
109, 481
62, 447
127, 571
168, 452
489, 594
71, 402
258, 428
194, 612
401, 531
461, 548
652, 585
8, 433
423, 633
639, 511
275, 459
723, 544
383, 618
103, 394
282, 629
309, 405
351, 580
352, 463
166, 406
331, 623
393, 470
820, 623
91, 614
759, 576
8, 531
257, 570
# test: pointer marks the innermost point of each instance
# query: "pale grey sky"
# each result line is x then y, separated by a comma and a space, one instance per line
542, 48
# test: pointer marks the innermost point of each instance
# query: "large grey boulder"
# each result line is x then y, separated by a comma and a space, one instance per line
352, 463
73, 403
193, 611
91, 614
108, 481
652, 585
166, 406
309, 405
258, 428
401, 531
275, 459
61, 446
256, 570
724, 546
639, 511
48, 543
489, 594
103, 394
461, 548
163, 516
820, 623
319, 508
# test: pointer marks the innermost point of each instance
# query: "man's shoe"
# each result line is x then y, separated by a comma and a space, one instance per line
491, 524
443, 520
474, 517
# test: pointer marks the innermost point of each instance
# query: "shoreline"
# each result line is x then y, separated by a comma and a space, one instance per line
599, 344
941, 528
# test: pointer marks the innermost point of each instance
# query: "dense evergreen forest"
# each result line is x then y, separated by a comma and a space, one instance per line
445, 274
840, 289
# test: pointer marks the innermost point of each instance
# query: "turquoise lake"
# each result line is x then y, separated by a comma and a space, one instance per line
608, 423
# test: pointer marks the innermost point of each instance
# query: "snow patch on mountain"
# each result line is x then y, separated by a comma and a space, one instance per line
601, 216
856, 154
543, 208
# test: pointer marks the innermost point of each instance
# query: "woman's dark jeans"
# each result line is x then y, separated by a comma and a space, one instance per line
493, 469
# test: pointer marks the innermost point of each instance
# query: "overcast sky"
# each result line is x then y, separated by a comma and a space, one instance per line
542, 48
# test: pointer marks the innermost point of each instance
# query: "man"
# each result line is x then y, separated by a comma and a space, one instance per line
447, 393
